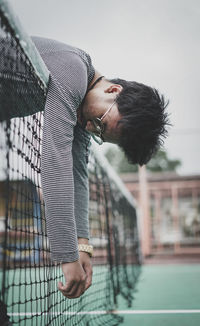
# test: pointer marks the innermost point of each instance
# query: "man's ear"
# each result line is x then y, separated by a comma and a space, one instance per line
114, 88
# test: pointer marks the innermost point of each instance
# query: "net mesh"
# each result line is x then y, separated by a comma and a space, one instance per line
28, 278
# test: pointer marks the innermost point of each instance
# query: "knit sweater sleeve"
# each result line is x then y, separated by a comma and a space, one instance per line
80, 150
67, 86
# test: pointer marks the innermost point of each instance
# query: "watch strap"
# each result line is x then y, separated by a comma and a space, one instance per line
86, 248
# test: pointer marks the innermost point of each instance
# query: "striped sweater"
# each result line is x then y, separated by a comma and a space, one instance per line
64, 167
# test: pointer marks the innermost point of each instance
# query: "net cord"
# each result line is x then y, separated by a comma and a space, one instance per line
113, 177
25, 42
102, 160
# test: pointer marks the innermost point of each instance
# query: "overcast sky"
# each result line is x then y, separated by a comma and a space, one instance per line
151, 41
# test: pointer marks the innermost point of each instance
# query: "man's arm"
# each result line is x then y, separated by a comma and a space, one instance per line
81, 203
80, 152
57, 177
58, 189
69, 78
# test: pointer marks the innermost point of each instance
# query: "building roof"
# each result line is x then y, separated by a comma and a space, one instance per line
159, 176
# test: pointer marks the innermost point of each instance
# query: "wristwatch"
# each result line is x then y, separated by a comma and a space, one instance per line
86, 248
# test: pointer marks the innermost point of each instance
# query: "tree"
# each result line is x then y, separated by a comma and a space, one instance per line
159, 163
118, 161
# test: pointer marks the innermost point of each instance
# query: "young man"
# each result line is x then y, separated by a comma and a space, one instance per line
81, 102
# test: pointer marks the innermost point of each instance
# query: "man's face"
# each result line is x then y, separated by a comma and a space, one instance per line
104, 107
110, 129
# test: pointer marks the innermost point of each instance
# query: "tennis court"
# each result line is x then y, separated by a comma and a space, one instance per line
166, 295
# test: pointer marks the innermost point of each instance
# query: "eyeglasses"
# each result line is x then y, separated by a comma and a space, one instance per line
97, 135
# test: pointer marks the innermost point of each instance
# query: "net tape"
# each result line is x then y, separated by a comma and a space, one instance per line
28, 278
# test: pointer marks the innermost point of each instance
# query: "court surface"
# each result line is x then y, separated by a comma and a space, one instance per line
167, 295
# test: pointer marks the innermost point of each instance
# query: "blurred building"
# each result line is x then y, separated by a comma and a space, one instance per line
169, 210
21, 223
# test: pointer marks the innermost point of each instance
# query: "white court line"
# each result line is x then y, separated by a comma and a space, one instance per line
102, 312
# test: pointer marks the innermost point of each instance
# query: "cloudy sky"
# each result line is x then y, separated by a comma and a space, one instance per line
151, 41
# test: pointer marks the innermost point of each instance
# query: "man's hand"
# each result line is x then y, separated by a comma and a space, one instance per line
78, 275
75, 280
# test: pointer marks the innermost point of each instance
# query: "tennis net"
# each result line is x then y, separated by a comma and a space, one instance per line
28, 278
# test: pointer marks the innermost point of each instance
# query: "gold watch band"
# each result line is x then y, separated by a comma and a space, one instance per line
86, 248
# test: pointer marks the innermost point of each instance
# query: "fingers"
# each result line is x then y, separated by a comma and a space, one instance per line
78, 277
67, 288
73, 289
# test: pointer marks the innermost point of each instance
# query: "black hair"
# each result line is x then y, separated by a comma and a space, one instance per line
144, 120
